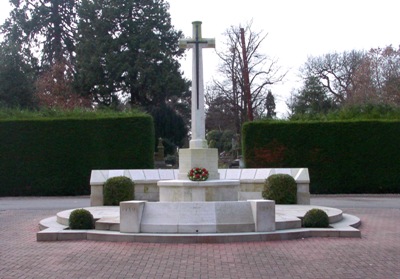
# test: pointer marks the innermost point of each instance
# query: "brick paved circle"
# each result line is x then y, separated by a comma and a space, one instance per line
375, 255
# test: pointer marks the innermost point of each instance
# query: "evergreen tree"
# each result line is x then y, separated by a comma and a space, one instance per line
169, 126
16, 79
18, 67
270, 105
311, 99
47, 25
129, 47
222, 140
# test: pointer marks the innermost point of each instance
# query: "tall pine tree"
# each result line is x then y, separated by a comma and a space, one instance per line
48, 26
129, 47
18, 66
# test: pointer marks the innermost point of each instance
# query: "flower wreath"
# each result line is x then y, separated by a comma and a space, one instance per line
198, 174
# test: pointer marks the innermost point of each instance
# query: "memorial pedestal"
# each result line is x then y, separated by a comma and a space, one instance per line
198, 158
198, 191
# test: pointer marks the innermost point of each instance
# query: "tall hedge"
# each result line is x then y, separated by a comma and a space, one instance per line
55, 157
342, 157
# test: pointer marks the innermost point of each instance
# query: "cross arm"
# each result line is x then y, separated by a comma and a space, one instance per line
204, 43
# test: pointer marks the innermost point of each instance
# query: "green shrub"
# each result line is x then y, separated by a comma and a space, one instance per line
81, 219
281, 188
316, 218
118, 189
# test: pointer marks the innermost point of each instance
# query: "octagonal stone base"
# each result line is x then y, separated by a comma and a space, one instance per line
188, 191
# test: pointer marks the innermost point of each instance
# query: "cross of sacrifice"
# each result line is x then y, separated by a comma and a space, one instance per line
198, 117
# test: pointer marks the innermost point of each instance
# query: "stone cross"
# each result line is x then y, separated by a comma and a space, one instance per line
198, 116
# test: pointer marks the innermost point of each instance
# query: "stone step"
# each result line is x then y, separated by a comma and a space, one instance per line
287, 227
108, 224
286, 217
290, 216
98, 213
286, 222
281, 223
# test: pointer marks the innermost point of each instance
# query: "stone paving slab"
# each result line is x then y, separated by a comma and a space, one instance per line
375, 255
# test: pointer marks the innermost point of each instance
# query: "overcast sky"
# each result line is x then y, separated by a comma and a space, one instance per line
296, 29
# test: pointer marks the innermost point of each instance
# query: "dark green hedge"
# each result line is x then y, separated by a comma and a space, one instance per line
342, 157
55, 157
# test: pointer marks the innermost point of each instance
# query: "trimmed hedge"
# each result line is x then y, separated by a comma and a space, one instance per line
55, 157
342, 157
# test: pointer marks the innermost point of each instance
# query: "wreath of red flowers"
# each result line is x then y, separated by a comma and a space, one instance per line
198, 174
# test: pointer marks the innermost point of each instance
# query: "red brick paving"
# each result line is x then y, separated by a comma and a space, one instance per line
375, 255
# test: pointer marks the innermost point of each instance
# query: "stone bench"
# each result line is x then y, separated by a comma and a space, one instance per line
251, 182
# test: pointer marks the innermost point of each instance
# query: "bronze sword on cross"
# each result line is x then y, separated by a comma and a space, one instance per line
198, 42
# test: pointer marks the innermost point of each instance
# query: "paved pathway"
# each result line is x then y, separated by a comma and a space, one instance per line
375, 255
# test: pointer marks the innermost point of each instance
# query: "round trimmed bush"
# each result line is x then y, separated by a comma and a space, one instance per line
81, 219
281, 188
316, 218
118, 189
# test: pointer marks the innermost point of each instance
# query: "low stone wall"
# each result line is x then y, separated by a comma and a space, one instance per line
211, 217
251, 182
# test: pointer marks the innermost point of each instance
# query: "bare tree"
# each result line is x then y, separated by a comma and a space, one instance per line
381, 73
263, 72
336, 72
358, 77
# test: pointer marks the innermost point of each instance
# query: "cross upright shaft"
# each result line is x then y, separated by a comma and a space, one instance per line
198, 116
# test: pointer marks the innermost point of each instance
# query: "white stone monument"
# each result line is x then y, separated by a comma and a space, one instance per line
197, 43
198, 154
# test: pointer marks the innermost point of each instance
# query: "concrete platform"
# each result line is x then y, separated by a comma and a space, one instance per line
288, 226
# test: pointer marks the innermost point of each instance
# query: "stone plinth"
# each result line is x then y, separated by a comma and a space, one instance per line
207, 217
131, 214
196, 158
303, 193
264, 215
96, 195
199, 191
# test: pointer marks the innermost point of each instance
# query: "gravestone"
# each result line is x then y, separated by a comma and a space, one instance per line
159, 161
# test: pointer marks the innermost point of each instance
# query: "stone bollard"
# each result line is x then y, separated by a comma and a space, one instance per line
263, 214
303, 193
131, 216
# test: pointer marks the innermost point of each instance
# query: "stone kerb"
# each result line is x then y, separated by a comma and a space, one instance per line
251, 182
